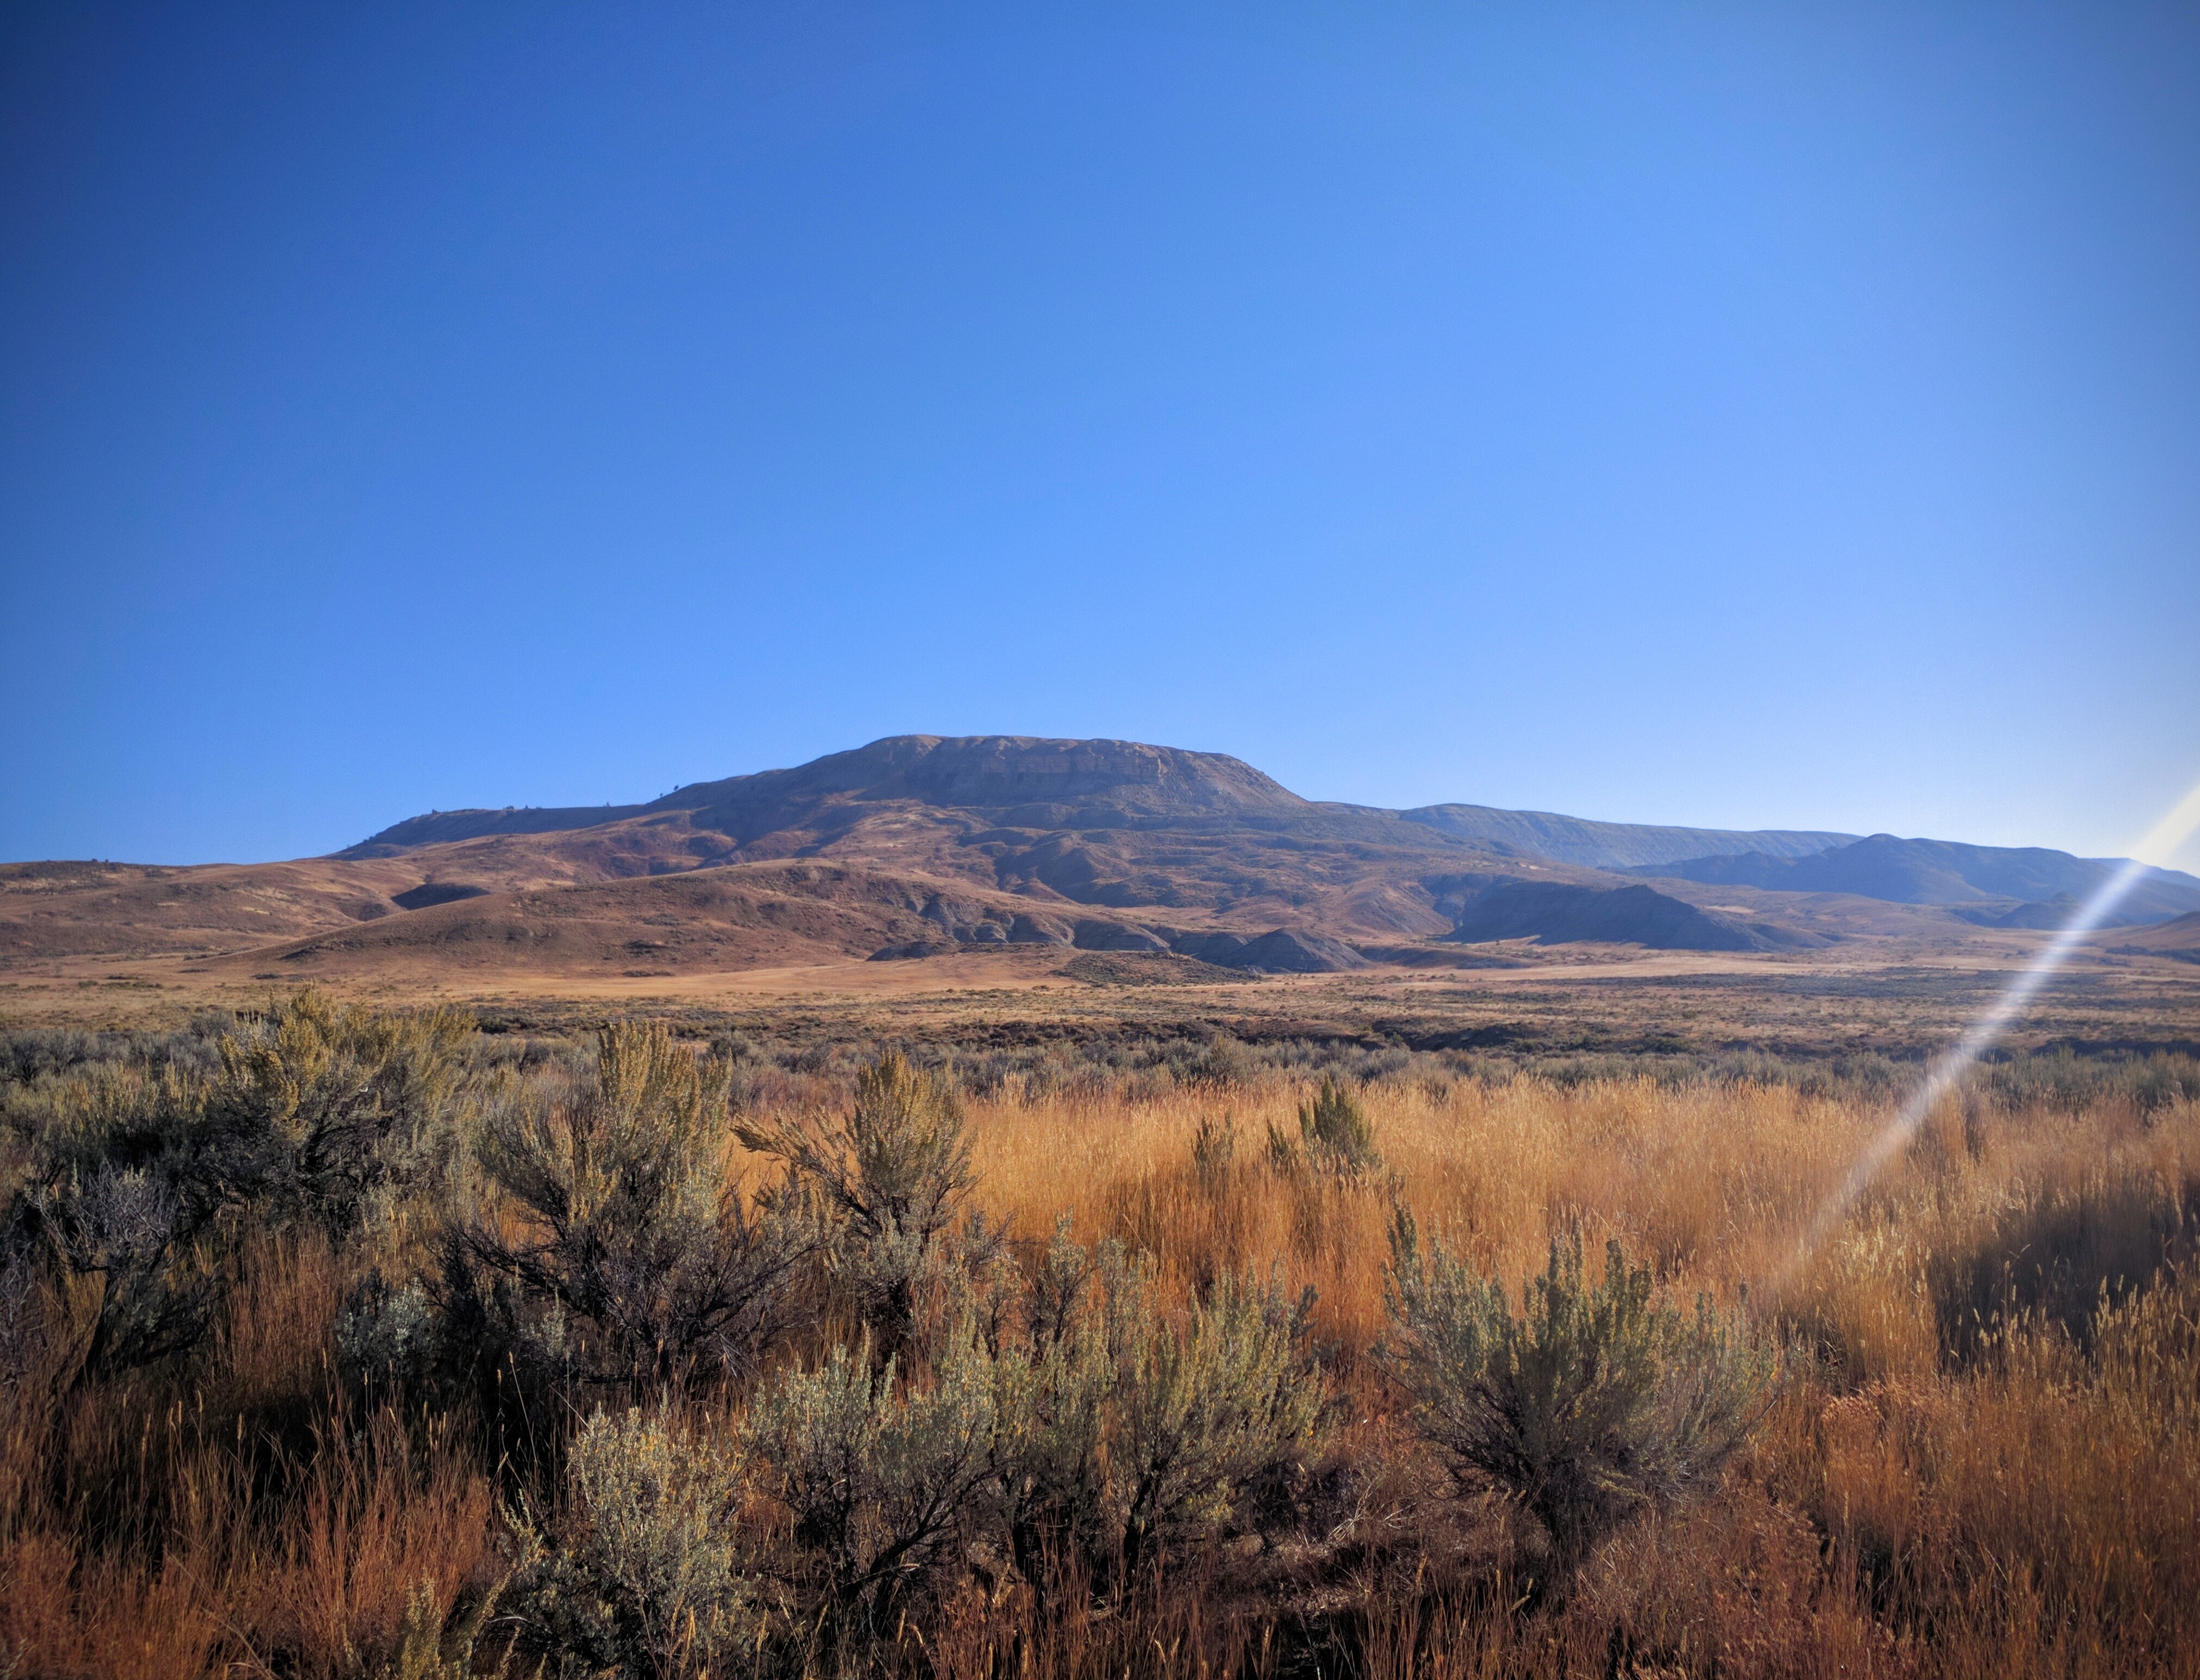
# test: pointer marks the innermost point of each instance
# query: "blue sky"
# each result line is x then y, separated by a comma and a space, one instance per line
1767, 416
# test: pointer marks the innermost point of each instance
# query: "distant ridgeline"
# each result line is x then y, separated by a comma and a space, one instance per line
918, 847
1130, 826
1980, 882
1022, 781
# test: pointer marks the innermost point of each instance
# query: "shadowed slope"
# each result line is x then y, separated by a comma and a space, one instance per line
1553, 912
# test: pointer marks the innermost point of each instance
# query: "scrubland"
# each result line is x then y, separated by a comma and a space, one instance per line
348, 1345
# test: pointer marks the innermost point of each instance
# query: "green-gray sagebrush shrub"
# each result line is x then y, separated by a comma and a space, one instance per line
1334, 1133
612, 1246
106, 1248
638, 1570
1088, 1430
351, 1106
139, 1184
1595, 1400
1334, 1129
885, 1480
891, 1181
392, 1336
1127, 1432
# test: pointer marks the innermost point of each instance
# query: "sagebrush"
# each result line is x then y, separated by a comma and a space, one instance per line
339, 1342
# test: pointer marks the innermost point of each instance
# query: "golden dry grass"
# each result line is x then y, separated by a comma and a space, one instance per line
1988, 1470
1986, 1459
158, 1532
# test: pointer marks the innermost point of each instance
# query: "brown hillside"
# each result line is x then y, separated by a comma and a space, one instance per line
71, 909
2179, 939
1106, 823
840, 859
1023, 781
748, 915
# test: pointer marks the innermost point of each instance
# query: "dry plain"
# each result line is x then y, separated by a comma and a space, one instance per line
390, 1286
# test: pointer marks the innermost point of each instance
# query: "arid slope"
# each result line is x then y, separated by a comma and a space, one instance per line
919, 842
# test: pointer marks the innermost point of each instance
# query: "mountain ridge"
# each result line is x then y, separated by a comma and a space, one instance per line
1601, 844
1029, 775
1092, 781
1941, 872
916, 845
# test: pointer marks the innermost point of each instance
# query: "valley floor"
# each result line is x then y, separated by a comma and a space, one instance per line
1901, 999
369, 1415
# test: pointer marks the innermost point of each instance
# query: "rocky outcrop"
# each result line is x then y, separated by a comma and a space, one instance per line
1287, 950
965, 920
1281, 950
1219, 949
1094, 934
1041, 930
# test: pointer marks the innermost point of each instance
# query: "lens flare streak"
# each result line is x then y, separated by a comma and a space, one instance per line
2164, 838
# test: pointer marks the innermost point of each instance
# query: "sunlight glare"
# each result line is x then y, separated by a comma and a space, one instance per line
2158, 844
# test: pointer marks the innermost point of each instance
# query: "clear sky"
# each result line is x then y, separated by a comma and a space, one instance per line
1739, 415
